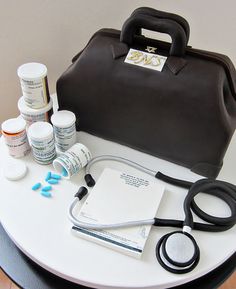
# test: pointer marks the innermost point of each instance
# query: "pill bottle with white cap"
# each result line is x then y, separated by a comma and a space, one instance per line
42, 142
64, 128
72, 161
14, 132
34, 85
31, 115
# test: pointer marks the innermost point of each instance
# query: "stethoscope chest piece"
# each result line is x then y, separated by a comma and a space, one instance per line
178, 252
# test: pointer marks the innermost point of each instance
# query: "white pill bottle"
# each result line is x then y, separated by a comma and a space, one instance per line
42, 142
34, 84
31, 115
73, 160
64, 129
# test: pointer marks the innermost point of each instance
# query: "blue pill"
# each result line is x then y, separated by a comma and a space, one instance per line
36, 186
64, 172
46, 194
48, 176
53, 181
55, 176
47, 188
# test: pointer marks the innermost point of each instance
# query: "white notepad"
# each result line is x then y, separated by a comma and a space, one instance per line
120, 197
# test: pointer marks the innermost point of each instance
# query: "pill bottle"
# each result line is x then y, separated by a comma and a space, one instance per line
14, 132
42, 142
31, 115
34, 85
73, 160
64, 129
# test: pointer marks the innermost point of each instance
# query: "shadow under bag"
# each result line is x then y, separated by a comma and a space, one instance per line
185, 113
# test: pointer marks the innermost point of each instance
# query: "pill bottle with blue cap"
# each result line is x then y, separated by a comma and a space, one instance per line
34, 84
14, 132
64, 128
42, 142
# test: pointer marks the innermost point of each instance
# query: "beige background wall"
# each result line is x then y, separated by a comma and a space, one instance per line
52, 32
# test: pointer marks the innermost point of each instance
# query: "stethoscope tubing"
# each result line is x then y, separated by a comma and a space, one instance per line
223, 190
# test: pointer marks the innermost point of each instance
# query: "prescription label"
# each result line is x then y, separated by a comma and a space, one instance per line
44, 151
17, 144
35, 92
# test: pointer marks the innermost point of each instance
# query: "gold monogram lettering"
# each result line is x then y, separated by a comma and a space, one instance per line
135, 55
156, 60
139, 57
143, 58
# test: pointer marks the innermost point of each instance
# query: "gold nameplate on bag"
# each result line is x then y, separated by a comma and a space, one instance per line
145, 59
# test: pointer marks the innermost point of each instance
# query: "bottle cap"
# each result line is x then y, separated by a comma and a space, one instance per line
14, 170
24, 108
63, 118
40, 130
13, 125
32, 70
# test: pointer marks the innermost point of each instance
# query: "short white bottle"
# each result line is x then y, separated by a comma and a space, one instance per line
42, 142
64, 129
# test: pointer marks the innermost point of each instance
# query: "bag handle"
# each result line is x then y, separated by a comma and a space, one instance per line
163, 15
168, 26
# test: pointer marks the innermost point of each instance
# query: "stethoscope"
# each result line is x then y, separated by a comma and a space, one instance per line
177, 251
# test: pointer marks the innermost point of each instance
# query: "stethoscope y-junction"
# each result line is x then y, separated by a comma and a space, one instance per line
177, 251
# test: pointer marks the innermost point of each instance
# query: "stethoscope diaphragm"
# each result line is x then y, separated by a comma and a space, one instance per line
178, 252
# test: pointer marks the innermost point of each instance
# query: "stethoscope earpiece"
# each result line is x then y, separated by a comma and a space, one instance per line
90, 182
178, 252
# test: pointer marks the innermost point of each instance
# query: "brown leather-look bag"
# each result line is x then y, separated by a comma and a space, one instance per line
185, 113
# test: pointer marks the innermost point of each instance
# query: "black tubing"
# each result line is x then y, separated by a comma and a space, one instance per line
223, 190
173, 181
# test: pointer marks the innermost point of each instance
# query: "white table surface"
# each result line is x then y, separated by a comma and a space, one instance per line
40, 227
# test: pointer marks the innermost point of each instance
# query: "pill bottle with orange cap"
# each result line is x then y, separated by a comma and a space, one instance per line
14, 132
